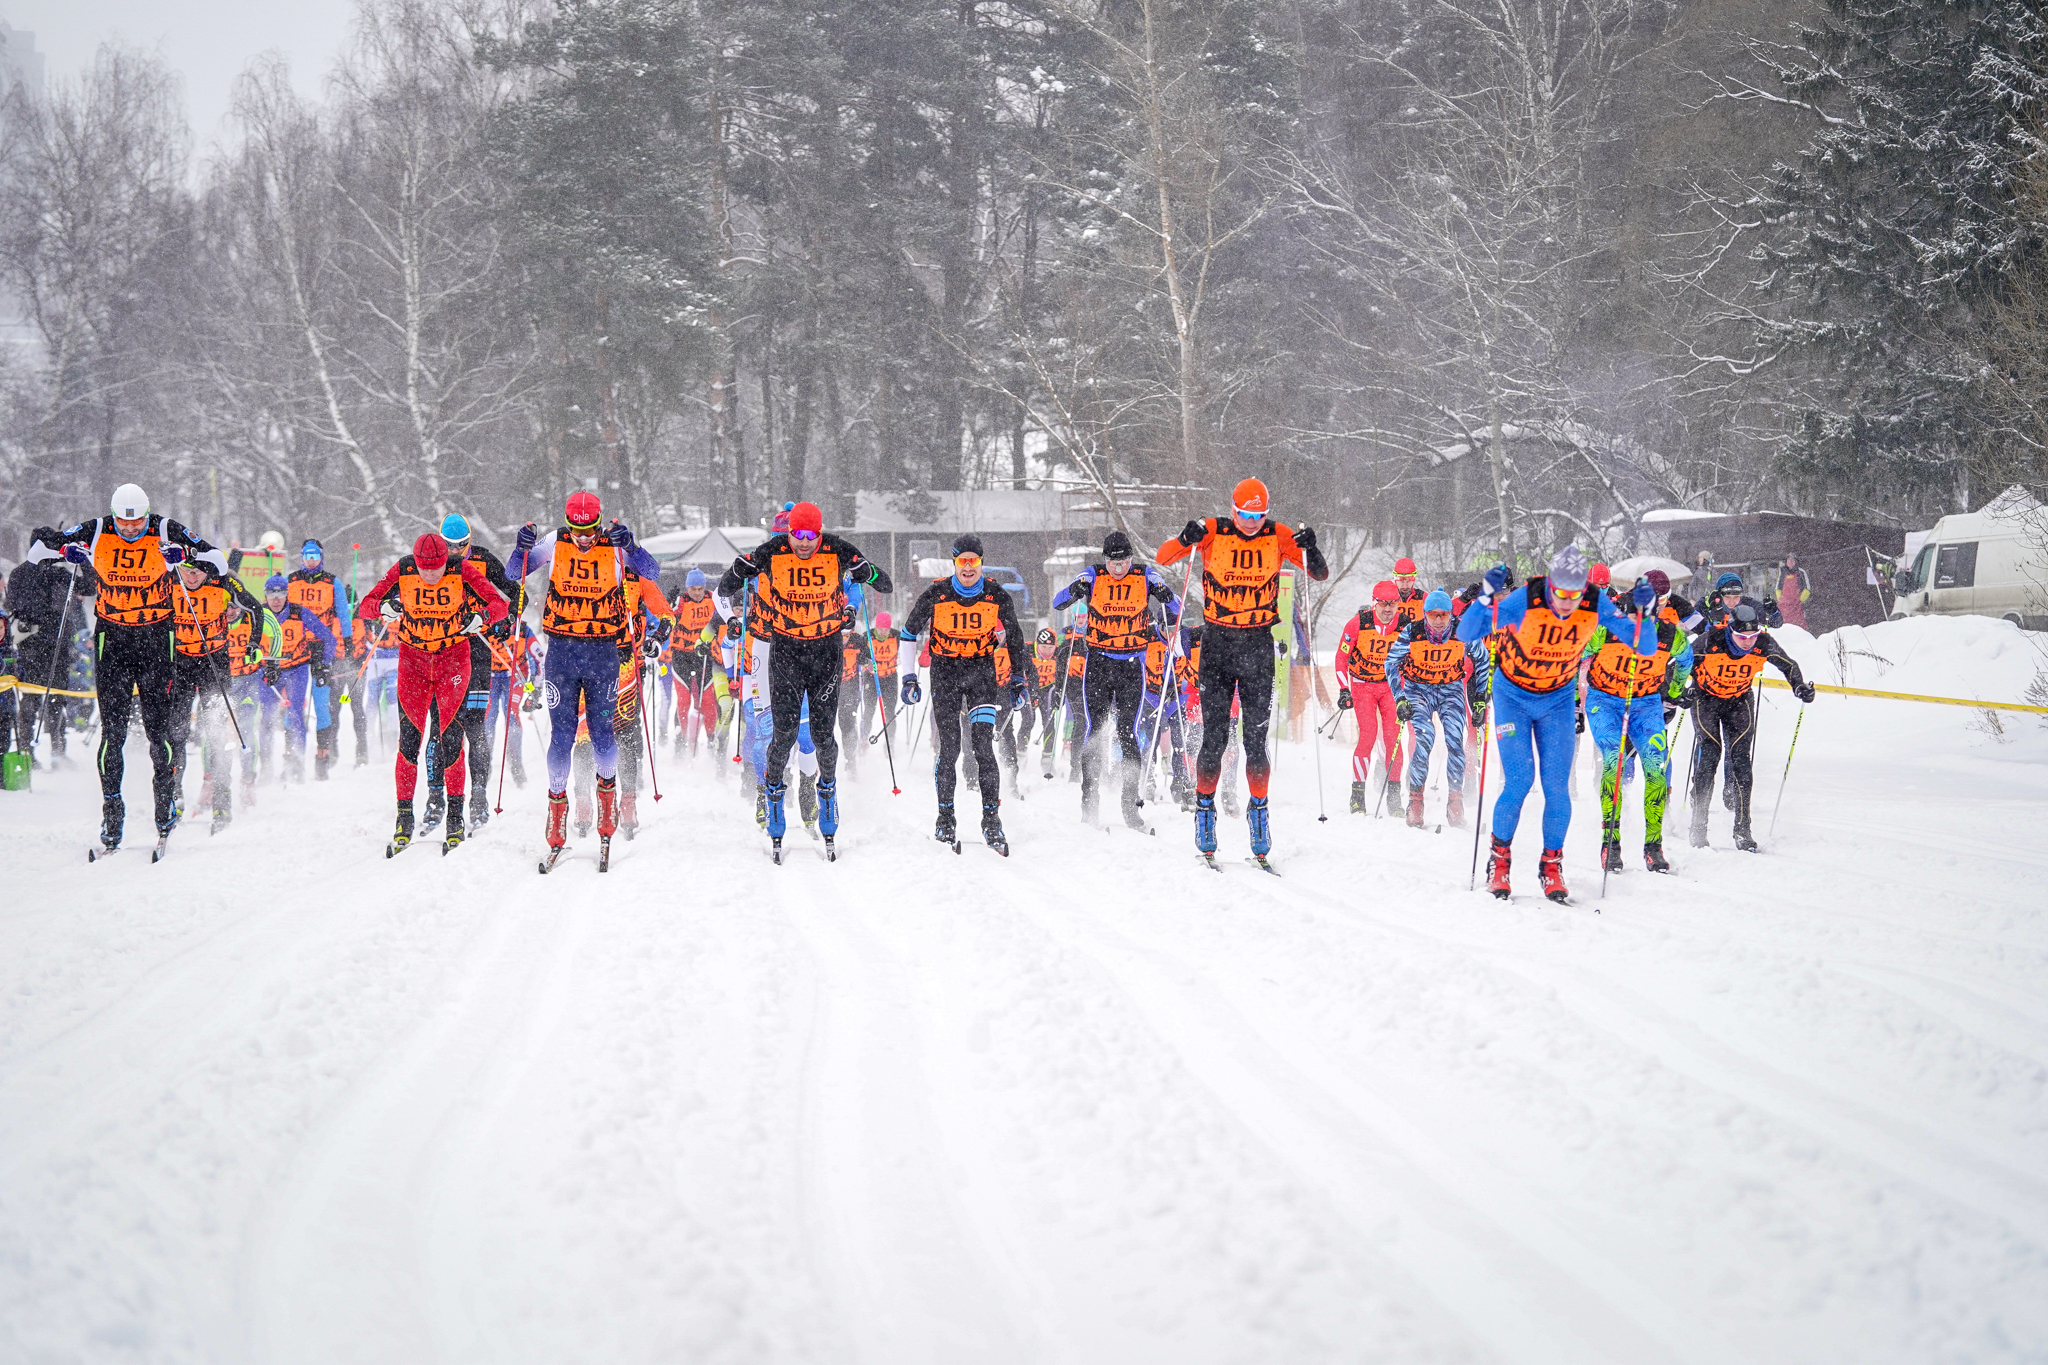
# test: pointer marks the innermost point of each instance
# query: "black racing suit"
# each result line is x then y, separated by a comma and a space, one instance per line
36, 598
1727, 725
201, 682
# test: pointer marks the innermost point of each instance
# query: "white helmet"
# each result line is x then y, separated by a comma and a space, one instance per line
130, 502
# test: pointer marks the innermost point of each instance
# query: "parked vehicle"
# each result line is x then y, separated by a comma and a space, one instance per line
1992, 562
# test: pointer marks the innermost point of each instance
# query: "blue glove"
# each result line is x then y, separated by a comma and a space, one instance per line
77, 553
1497, 580
1644, 596
912, 693
524, 540
174, 555
620, 535
1020, 697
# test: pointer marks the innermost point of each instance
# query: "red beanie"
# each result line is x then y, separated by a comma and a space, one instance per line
805, 516
583, 509
430, 552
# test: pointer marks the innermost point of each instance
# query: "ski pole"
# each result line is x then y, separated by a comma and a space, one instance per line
56, 658
875, 677
1485, 743
1621, 759
646, 733
505, 743
1187, 579
1780, 803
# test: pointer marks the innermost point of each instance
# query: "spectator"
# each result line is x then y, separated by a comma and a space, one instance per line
1794, 589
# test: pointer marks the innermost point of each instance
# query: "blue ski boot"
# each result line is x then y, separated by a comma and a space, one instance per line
828, 816
1261, 824
1205, 826
776, 824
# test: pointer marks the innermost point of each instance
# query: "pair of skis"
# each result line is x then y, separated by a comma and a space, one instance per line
156, 854
604, 855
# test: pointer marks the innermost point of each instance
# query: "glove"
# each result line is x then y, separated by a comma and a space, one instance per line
1496, 580
1470, 595
1305, 537
1806, 594
650, 648
270, 673
321, 677
1804, 691
524, 540
1644, 595
912, 693
1191, 534
500, 630
234, 560
1020, 697
620, 535
1689, 696
1670, 709
77, 554
174, 555
1478, 714
1404, 710
735, 628
1581, 727
474, 625
389, 610
1343, 697
252, 657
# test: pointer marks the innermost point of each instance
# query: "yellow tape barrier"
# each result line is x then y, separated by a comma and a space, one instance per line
1782, 685
10, 683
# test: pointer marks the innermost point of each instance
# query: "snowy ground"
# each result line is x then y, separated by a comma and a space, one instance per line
278, 1099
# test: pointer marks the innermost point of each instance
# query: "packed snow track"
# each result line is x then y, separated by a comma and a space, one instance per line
278, 1099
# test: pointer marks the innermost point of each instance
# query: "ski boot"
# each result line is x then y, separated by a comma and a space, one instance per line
401, 834
629, 814
1134, 818
557, 828
1550, 872
944, 830
1415, 808
1743, 840
113, 815
437, 806
1392, 796
1696, 835
1497, 867
1358, 799
363, 753
1091, 801
1454, 808
1205, 826
828, 816
761, 807
223, 807
453, 834
1653, 856
992, 827
322, 756
479, 810
807, 799
777, 825
1610, 847
1259, 820
607, 819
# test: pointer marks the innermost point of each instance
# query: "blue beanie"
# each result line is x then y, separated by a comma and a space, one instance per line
313, 548
1438, 600
454, 528
1727, 581
695, 579
276, 583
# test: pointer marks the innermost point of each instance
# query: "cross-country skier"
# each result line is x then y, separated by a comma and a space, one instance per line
1727, 596
1630, 694
130, 554
885, 647
433, 606
1435, 684
693, 663
1242, 555
509, 675
1119, 603
1364, 691
799, 579
250, 640
486, 651
304, 642
587, 620
313, 589
1042, 678
968, 621
1536, 632
1408, 583
1724, 670
205, 611
653, 622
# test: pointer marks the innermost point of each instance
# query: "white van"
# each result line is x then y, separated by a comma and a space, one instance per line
1992, 562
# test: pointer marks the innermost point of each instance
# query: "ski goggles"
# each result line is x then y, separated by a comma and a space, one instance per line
807, 537
1249, 513
966, 561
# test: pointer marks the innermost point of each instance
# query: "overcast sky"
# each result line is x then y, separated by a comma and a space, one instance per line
208, 42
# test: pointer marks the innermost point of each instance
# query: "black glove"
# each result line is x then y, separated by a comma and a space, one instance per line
1804, 691
1582, 721
1020, 697
1343, 696
234, 556
912, 693
320, 675
1305, 537
501, 630
1404, 710
1689, 696
270, 673
1470, 595
1478, 713
1191, 534
735, 628
650, 648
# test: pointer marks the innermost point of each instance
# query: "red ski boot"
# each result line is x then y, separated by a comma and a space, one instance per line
558, 819
629, 813
607, 807
1415, 808
1454, 809
1497, 868
1551, 873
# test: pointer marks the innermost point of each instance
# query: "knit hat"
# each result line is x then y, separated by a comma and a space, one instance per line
806, 517
1385, 591
1599, 576
1116, 545
1438, 600
967, 543
431, 552
1404, 568
1660, 582
1568, 569
884, 621
312, 549
454, 527
276, 583
695, 579
1727, 581
1249, 498
1046, 637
